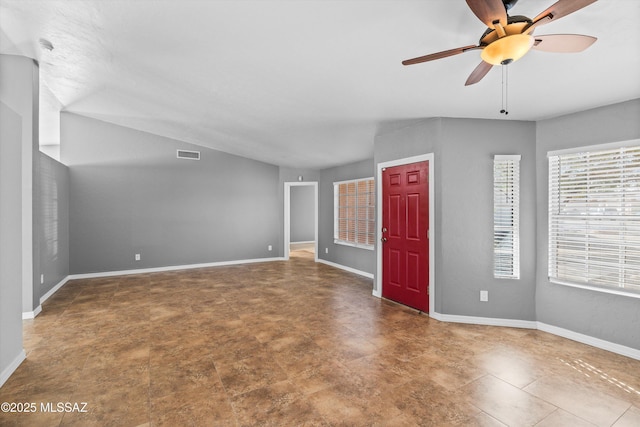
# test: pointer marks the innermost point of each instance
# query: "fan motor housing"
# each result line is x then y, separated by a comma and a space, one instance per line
515, 25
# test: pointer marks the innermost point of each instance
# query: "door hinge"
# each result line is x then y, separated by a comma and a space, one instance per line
428, 234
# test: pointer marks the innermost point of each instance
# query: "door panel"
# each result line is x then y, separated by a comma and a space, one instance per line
394, 267
395, 209
413, 266
405, 222
413, 216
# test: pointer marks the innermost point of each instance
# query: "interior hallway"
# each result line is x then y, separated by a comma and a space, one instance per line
293, 343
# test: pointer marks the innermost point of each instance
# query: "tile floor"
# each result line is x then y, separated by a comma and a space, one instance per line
297, 343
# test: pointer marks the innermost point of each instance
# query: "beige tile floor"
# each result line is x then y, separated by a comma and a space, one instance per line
297, 343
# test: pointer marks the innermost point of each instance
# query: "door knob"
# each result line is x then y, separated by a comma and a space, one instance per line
384, 239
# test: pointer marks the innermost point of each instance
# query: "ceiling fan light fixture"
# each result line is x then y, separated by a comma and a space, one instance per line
507, 49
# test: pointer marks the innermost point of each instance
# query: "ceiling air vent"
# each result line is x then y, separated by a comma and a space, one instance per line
190, 155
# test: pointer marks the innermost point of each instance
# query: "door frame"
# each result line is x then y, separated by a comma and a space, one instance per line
287, 215
429, 157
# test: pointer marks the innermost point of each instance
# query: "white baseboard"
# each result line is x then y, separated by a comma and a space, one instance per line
31, 314
305, 242
530, 324
594, 342
170, 268
34, 313
345, 268
487, 321
6, 372
53, 290
512, 323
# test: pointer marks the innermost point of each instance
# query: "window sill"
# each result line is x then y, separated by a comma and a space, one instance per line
353, 245
596, 288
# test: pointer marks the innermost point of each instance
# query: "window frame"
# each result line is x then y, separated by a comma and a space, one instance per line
587, 216
371, 235
506, 217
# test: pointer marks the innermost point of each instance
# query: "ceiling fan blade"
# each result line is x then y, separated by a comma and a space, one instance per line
563, 43
559, 9
480, 71
489, 11
439, 55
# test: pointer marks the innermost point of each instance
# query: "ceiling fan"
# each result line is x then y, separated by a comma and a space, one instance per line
509, 38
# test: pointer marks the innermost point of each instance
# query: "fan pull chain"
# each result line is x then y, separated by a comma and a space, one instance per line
505, 90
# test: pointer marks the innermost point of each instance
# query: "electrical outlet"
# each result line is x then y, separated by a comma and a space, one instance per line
326, 250
41, 279
484, 296
270, 247
137, 257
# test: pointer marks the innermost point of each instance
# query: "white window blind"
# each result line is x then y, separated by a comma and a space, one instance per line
354, 212
506, 217
594, 218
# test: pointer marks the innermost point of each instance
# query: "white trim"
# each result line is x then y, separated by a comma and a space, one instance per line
26, 315
170, 268
305, 242
430, 157
32, 314
345, 268
353, 245
336, 214
597, 147
574, 224
453, 318
53, 290
506, 198
6, 373
514, 157
287, 214
487, 321
589, 340
531, 324
346, 181
603, 289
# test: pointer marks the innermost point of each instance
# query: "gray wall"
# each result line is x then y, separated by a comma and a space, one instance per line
129, 194
407, 139
358, 258
465, 242
609, 317
19, 90
10, 239
302, 209
53, 204
463, 162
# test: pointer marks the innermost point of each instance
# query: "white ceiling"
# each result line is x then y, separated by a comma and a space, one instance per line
303, 83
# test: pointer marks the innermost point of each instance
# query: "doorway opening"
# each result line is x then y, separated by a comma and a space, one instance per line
301, 219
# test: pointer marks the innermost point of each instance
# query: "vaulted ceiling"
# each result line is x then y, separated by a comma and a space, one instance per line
303, 83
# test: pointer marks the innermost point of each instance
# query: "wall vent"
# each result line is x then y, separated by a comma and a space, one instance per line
190, 155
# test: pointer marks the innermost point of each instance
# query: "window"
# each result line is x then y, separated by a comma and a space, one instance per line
506, 217
594, 218
354, 213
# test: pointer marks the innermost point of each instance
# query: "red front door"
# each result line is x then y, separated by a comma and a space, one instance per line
405, 222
